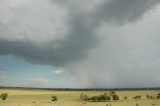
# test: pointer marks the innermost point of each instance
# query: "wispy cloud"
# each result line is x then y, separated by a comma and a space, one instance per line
59, 71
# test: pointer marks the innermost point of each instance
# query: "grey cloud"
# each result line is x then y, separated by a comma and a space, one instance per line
56, 53
123, 11
81, 38
70, 50
123, 59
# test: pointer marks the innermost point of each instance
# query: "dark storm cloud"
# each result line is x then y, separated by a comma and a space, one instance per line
82, 37
123, 11
81, 32
72, 49
62, 2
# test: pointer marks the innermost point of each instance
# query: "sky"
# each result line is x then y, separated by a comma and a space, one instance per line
80, 43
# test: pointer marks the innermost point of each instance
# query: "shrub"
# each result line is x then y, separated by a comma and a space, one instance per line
137, 97
158, 96
112, 93
125, 97
115, 97
94, 98
108, 98
54, 98
102, 97
4, 96
105, 94
85, 97
151, 97
81, 96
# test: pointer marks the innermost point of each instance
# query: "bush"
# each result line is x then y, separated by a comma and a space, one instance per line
158, 96
85, 97
151, 97
137, 97
94, 98
112, 93
108, 98
100, 98
81, 96
4, 96
147, 96
125, 98
54, 98
115, 97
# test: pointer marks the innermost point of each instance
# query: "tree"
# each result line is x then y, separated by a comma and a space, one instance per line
4, 96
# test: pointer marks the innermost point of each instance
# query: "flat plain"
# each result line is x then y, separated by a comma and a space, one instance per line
71, 98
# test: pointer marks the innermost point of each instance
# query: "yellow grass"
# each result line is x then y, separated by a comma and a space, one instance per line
70, 98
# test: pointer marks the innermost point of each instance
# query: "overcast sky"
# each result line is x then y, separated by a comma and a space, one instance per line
80, 43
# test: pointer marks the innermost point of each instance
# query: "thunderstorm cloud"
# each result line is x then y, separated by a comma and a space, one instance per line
104, 43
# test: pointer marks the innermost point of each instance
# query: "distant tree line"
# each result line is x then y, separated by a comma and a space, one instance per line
81, 89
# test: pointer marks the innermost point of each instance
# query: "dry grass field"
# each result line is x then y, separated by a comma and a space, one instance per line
71, 98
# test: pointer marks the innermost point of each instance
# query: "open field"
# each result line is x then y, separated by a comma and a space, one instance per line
70, 98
